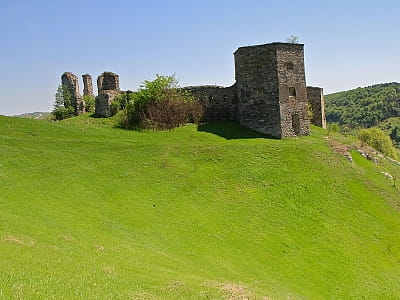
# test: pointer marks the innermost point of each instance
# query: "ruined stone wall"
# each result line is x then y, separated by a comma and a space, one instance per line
108, 88
87, 85
220, 103
292, 89
258, 89
71, 82
103, 102
108, 81
316, 100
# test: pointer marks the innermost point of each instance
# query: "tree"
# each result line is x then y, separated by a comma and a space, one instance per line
293, 39
395, 135
62, 107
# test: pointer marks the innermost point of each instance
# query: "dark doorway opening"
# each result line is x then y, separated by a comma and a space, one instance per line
296, 124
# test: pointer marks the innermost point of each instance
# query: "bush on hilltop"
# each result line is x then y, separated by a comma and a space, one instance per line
159, 104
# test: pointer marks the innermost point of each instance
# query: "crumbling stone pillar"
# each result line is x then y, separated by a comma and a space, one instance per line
71, 82
108, 88
316, 100
87, 85
108, 81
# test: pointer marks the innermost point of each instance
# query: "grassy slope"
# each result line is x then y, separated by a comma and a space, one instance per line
92, 212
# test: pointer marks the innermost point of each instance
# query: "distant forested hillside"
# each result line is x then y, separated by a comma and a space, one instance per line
35, 115
364, 107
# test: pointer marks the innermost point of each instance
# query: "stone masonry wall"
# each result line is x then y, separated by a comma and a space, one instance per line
292, 90
258, 89
108, 87
71, 82
87, 85
108, 81
316, 99
103, 102
220, 103
272, 95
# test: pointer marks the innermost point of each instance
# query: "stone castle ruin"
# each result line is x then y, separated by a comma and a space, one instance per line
269, 96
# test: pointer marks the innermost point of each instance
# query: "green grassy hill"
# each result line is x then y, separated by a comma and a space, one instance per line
88, 211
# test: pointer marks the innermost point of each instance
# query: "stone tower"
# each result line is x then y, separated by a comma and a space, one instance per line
87, 85
71, 82
271, 87
108, 88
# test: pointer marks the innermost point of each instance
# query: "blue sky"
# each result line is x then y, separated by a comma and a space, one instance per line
347, 43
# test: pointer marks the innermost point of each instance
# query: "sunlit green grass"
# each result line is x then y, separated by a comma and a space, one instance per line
88, 211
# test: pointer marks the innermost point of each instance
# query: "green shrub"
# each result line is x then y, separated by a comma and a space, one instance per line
89, 103
160, 104
120, 102
114, 107
333, 127
378, 140
120, 119
62, 113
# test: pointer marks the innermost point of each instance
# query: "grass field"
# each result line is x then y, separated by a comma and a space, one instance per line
88, 211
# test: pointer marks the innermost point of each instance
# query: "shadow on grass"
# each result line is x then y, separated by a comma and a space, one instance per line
230, 130
93, 115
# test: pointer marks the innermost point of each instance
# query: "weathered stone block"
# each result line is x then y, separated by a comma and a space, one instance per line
103, 102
